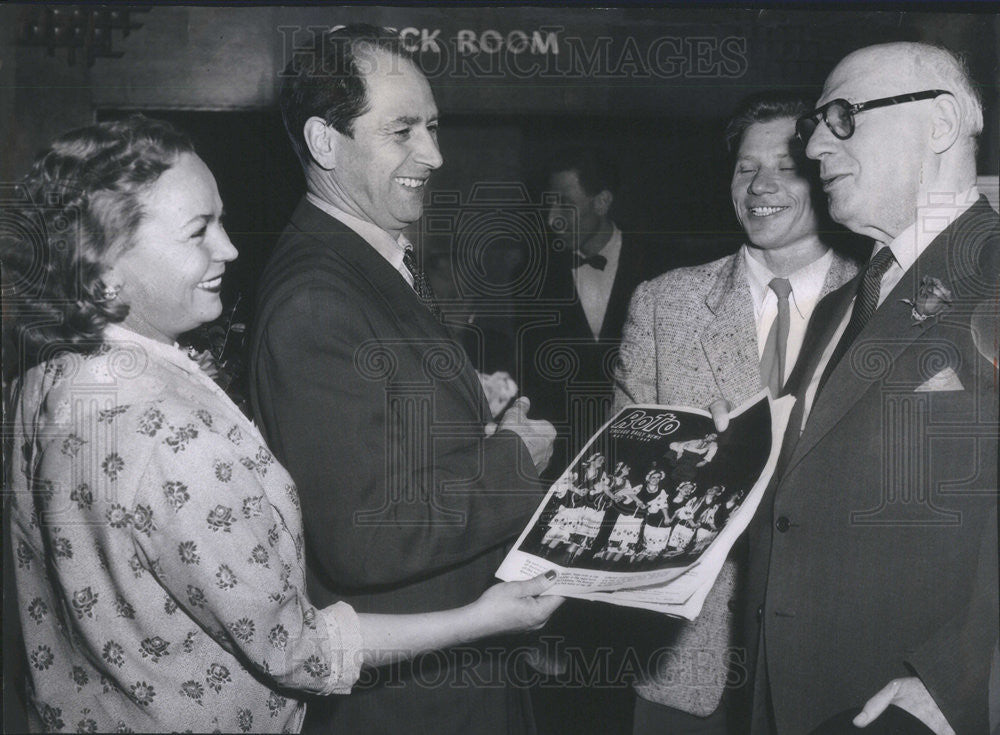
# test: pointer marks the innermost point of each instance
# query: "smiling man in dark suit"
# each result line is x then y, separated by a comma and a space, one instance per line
408, 499
874, 556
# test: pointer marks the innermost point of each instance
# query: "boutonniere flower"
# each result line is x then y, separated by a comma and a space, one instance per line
217, 348
205, 360
932, 299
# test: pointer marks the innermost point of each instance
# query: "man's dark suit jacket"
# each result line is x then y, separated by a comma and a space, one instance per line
375, 412
562, 368
874, 555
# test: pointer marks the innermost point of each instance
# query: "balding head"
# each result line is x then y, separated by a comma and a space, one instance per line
907, 67
899, 155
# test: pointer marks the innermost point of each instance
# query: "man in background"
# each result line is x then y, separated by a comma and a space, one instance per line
567, 344
570, 336
873, 559
725, 330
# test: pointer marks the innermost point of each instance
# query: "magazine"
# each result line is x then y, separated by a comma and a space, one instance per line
647, 512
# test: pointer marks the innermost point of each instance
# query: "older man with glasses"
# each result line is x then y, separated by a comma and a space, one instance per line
873, 575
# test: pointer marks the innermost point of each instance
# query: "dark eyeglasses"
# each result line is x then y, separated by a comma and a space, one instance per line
839, 114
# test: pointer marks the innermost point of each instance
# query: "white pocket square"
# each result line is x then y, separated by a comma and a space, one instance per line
947, 379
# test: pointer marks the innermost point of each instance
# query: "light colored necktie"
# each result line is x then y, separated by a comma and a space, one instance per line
772, 362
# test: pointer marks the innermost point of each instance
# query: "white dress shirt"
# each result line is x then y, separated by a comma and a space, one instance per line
384, 244
593, 286
932, 219
807, 284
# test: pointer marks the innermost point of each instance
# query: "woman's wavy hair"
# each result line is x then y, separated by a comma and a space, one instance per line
77, 209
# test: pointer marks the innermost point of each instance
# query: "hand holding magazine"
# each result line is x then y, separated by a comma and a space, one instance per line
647, 512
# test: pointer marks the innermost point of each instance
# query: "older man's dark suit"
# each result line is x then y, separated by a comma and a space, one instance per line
874, 556
378, 417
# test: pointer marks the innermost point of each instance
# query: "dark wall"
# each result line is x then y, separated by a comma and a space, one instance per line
674, 175
676, 63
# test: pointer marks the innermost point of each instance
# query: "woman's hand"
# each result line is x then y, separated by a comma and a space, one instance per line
510, 607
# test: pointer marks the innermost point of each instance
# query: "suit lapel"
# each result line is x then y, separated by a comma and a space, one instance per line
388, 285
626, 279
879, 345
730, 338
841, 271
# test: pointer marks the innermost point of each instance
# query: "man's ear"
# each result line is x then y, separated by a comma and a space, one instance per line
946, 123
602, 202
321, 140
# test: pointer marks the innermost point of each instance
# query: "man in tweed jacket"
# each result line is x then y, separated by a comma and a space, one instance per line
694, 336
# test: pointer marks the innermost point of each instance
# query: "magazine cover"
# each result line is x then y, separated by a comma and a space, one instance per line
647, 512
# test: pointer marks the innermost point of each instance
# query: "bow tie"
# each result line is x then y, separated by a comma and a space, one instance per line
594, 261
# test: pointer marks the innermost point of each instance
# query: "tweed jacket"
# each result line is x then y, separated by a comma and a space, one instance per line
691, 339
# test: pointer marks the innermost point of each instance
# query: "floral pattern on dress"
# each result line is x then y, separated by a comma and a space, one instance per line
188, 552
124, 608
193, 689
52, 717
113, 653
216, 676
259, 555
82, 496
71, 445
24, 555
180, 437
176, 494
41, 658
112, 465
79, 676
253, 507
62, 548
118, 516
166, 558
220, 518
143, 693
223, 471
84, 601
108, 415
154, 648
225, 579
151, 421
142, 519
242, 630
37, 610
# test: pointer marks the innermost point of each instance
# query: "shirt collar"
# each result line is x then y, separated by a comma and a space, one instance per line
807, 282
385, 244
611, 250
172, 353
933, 218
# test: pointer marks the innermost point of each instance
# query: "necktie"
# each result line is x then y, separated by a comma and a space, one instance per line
594, 261
865, 303
420, 284
772, 362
